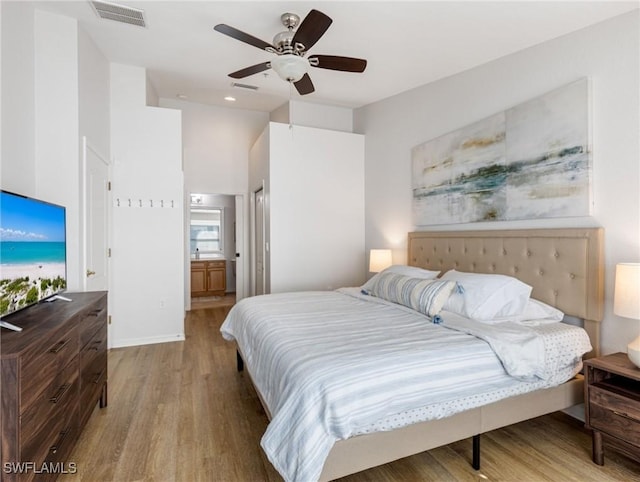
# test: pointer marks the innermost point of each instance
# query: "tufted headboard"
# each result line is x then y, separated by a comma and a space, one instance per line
565, 267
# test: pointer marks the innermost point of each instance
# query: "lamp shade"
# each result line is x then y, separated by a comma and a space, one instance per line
626, 298
379, 259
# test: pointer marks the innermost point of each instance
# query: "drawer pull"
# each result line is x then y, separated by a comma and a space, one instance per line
54, 448
98, 377
624, 415
59, 346
60, 393
95, 312
96, 345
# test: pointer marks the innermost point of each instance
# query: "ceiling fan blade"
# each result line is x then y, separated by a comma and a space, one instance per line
314, 25
304, 85
254, 69
334, 62
243, 37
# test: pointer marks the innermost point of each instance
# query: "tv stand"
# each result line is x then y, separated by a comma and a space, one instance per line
9, 326
54, 372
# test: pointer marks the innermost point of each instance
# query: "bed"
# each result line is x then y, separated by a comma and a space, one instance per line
564, 267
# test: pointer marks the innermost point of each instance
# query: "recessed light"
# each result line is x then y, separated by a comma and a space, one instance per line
230, 99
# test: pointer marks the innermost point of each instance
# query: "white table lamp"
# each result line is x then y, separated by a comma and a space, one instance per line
379, 259
626, 301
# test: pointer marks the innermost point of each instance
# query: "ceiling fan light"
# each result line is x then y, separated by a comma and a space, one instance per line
290, 67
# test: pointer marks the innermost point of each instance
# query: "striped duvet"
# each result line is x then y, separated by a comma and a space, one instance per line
331, 365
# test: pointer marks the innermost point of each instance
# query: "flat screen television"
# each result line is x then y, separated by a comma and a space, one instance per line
33, 253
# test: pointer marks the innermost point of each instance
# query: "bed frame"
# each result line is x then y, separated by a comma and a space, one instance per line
565, 268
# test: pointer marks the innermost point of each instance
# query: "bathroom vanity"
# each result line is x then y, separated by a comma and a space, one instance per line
208, 277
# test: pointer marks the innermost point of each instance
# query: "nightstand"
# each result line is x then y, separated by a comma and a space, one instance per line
612, 405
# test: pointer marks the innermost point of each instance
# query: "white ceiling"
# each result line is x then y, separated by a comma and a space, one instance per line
407, 44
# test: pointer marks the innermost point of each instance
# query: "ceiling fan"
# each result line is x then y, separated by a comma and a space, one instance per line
290, 48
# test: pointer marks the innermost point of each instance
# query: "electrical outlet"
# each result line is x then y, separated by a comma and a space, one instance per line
162, 304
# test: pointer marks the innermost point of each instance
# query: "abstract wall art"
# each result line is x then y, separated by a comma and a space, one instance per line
531, 161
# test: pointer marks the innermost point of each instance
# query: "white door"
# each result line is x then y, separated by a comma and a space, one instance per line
259, 242
96, 220
239, 258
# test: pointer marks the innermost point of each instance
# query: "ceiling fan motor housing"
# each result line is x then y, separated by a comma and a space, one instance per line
283, 42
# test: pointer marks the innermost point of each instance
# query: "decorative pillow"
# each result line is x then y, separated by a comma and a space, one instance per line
485, 297
412, 271
427, 296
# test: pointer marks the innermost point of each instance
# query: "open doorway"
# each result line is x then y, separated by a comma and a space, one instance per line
214, 250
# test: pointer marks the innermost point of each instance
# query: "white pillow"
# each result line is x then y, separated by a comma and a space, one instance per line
540, 312
535, 313
485, 297
411, 271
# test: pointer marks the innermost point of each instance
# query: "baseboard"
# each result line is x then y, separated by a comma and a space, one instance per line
147, 341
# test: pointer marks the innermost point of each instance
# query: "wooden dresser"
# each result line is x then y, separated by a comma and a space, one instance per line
612, 405
53, 373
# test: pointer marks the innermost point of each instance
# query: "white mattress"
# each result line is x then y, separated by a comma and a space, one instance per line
331, 365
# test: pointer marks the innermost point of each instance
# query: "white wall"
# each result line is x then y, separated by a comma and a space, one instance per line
57, 153
308, 114
147, 264
259, 179
316, 205
151, 95
94, 95
216, 143
607, 53
17, 169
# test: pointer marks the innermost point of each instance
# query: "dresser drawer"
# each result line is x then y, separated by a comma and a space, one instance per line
93, 353
93, 370
93, 361
615, 402
615, 415
55, 399
41, 366
54, 438
93, 320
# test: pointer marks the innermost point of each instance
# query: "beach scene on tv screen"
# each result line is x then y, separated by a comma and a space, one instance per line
32, 252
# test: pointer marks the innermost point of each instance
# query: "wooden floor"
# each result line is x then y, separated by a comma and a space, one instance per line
181, 412
200, 303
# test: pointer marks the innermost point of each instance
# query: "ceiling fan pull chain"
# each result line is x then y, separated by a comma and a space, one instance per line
290, 97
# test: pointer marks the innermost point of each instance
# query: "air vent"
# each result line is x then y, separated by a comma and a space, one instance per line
244, 86
119, 13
